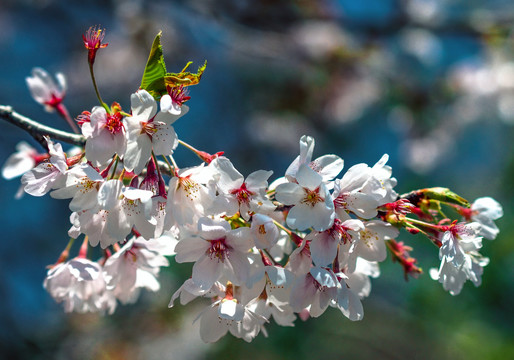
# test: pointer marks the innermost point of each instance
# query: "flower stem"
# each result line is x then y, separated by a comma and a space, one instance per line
61, 109
172, 170
96, 89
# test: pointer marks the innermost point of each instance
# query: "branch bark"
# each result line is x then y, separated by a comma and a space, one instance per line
37, 130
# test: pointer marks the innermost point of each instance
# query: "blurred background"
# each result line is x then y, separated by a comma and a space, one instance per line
430, 82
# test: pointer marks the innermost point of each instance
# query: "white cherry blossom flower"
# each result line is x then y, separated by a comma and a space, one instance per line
217, 251
147, 129
236, 194
228, 314
328, 166
484, 211
173, 102
45, 90
135, 266
459, 239
189, 291
105, 136
82, 184
370, 244
384, 192
125, 207
311, 200
348, 196
49, 174
189, 195
23, 160
316, 289
453, 278
324, 245
265, 232
460, 260
79, 283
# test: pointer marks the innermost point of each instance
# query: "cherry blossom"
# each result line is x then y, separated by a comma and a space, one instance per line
45, 90
23, 160
239, 195
135, 266
146, 130
93, 42
217, 251
82, 184
105, 136
328, 166
80, 284
49, 174
484, 211
311, 201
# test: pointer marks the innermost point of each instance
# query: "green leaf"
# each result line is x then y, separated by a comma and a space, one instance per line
155, 70
183, 77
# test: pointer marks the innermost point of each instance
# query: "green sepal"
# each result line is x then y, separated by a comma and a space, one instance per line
155, 70
444, 195
183, 77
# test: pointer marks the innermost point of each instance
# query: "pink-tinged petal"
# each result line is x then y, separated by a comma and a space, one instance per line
258, 179
213, 229
41, 179
117, 226
143, 105
321, 301
324, 277
169, 117
303, 292
280, 276
239, 266
229, 179
206, 271
349, 303
300, 260
308, 178
146, 228
166, 104
289, 193
138, 153
100, 149
306, 149
211, 328
231, 310
354, 179
488, 207
109, 194
57, 157
300, 217
328, 166
324, 248
85, 201
19, 162
190, 249
362, 205
164, 140
61, 83
98, 119
137, 194
240, 239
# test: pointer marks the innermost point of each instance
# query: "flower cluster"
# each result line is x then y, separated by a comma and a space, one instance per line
309, 240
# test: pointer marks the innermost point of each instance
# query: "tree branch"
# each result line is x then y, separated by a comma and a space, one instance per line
37, 130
